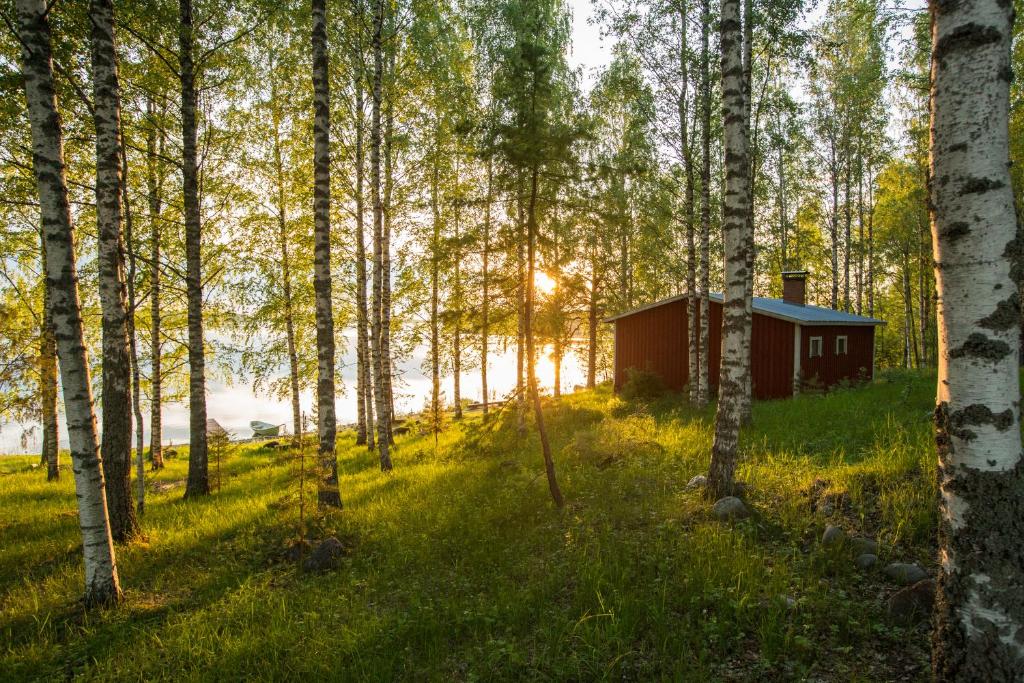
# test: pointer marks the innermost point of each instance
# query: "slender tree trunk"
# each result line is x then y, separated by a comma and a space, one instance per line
153, 188
364, 408
871, 242
592, 319
848, 218
286, 284
531, 358
783, 231
703, 284
385, 260
860, 226
328, 494
735, 317
485, 304
978, 620
48, 381
457, 296
133, 304
435, 340
198, 483
746, 397
379, 368
834, 221
520, 308
924, 298
117, 418
101, 580
692, 303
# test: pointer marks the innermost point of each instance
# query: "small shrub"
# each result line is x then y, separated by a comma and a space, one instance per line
642, 385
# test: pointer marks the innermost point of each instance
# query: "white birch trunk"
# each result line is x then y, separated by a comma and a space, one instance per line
327, 491
117, 403
101, 579
979, 611
735, 315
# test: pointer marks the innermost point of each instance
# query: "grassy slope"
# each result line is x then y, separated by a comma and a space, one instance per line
461, 569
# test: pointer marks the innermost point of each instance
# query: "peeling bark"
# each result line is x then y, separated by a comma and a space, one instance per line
979, 611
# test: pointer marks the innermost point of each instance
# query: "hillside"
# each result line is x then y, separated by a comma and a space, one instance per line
458, 568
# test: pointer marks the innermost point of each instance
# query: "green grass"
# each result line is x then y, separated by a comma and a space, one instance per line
461, 569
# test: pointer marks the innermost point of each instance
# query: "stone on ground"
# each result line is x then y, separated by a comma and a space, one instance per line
697, 482
833, 536
863, 546
730, 507
905, 573
325, 556
866, 561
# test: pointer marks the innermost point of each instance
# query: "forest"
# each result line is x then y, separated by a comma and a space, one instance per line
430, 238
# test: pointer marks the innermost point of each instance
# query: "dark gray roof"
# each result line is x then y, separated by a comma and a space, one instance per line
777, 308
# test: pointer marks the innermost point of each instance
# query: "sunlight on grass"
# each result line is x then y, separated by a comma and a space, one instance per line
461, 569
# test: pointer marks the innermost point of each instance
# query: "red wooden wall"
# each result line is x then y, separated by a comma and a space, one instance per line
771, 357
830, 368
655, 340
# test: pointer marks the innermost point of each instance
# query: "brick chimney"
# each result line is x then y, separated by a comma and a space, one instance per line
794, 287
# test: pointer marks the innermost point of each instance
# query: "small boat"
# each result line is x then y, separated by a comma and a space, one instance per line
264, 429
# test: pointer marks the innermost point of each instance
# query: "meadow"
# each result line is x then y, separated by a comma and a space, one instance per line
458, 567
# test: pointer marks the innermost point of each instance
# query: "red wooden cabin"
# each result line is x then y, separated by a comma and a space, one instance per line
791, 343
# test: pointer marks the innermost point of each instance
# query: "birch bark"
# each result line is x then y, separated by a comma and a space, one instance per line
116, 443
101, 580
979, 611
327, 491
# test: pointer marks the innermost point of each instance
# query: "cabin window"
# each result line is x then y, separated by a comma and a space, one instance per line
841, 345
816, 347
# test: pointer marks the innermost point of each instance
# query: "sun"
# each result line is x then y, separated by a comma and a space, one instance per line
544, 283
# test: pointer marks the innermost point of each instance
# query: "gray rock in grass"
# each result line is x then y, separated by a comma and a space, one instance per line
905, 573
833, 536
325, 556
866, 561
729, 508
698, 482
863, 546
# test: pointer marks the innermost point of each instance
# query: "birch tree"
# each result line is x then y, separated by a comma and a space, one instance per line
102, 584
736, 205
198, 482
327, 494
117, 403
978, 620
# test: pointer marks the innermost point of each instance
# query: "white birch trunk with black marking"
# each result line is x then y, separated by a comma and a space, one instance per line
327, 492
48, 381
692, 300
736, 205
703, 283
116, 443
198, 482
101, 579
979, 611
153, 188
380, 398
364, 407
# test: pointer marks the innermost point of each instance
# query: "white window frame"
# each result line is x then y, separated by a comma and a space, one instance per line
846, 345
815, 341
